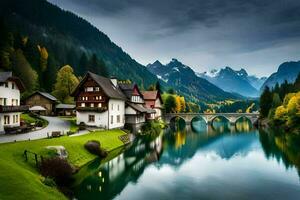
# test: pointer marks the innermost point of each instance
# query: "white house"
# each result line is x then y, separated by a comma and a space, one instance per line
10, 109
100, 102
135, 110
153, 101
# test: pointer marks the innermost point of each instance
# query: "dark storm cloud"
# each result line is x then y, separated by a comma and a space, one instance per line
215, 27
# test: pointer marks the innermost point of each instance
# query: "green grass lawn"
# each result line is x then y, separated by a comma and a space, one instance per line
73, 126
29, 119
21, 180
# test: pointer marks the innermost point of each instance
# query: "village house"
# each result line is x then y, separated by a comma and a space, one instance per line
65, 109
99, 102
42, 100
135, 110
153, 100
10, 108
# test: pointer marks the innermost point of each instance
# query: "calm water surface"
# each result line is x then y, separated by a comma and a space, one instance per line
198, 162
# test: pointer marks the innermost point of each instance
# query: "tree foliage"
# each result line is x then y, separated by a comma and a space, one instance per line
266, 102
66, 82
22, 69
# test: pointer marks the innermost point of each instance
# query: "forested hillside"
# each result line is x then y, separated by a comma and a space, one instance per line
38, 38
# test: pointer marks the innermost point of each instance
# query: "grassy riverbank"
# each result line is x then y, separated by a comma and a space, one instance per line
23, 177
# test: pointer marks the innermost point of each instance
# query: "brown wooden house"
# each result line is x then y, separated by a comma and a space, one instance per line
43, 99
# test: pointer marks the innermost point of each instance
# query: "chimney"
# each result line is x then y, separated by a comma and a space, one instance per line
114, 81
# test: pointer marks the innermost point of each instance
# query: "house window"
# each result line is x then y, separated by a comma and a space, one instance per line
6, 119
6, 84
82, 104
17, 102
17, 118
118, 118
97, 98
97, 89
91, 118
100, 97
118, 107
14, 119
100, 105
89, 89
111, 119
13, 85
112, 106
92, 105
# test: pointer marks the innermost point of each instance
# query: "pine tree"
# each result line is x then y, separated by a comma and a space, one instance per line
158, 87
266, 102
83, 65
276, 100
297, 84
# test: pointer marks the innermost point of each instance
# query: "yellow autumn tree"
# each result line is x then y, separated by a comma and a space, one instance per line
66, 82
178, 104
43, 58
182, 104
280, 113
249, 109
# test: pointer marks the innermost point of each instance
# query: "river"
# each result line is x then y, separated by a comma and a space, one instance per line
198, 162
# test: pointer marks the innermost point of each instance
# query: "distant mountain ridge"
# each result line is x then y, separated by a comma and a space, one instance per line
286, 71
235, 81
183, 79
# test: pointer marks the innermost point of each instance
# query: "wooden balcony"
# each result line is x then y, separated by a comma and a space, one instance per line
9, 109
92, 109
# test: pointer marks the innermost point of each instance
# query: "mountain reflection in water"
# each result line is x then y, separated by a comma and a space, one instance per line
198, 162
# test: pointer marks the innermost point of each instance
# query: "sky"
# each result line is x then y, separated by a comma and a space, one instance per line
257, 35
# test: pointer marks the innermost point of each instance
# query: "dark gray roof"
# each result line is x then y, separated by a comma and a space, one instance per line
47, 95
108, 87
140, 108
4, 76
127, 89
65, 106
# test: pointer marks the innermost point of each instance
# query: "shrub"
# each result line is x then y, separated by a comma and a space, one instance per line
58, 169
94, 147
70, 133
49, 182
81, 126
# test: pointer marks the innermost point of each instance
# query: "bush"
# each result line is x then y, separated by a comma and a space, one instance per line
94, 147
70, 133
39, 124
153, 127
81, 126
49, 182
58, 169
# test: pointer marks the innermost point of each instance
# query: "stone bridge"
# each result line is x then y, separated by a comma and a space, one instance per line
210, 117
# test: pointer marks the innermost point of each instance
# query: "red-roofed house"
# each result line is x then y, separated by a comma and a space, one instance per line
154, 101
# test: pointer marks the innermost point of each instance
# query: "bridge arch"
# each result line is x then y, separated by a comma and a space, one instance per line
200, 118
243, 117
219, 116
177, 126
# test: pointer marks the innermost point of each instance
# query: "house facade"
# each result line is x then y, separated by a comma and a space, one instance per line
135, 110
44, 100
10, 108
153, 101
99, 102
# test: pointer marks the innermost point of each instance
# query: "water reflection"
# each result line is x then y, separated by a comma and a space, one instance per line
200, 161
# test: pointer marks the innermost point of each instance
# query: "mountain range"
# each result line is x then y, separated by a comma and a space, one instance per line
235, 81
184, 80
67, 37
286, 71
